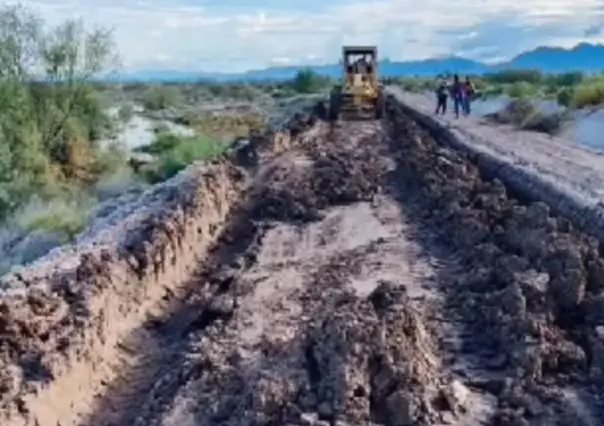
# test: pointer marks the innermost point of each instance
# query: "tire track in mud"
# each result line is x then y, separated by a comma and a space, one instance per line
159, 348
293, 331
373, 277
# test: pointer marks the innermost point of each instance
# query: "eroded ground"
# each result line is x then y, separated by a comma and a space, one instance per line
370, 276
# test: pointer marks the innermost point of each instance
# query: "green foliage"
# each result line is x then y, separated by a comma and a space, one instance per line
125, 113
570, 89
565, 96
242, 92
521, 89
308, 81
567, 79
515, 76
588, 94
492, 91
161, 97
163, 143
174, 153
50, 116
416, 85
64, 217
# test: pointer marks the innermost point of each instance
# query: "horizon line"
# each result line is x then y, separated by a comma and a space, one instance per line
497, 61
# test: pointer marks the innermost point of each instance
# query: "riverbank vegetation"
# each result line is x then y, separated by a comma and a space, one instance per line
57, 129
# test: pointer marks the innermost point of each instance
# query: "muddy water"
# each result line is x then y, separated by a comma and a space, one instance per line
139, 130
587, 127
20, 246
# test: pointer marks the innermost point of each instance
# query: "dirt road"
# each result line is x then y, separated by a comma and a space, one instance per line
370, 276
341, 306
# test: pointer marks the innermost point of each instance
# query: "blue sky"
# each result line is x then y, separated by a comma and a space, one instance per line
235, 35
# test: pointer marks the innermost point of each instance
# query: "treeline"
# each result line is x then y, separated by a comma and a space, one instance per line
159, 96
572, 89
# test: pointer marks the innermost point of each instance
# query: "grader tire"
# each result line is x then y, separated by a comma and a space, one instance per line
380, 106
334, 106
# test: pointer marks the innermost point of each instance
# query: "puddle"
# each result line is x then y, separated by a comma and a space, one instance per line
138, 131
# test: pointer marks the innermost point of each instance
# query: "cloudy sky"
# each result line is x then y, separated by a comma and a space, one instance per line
235, 35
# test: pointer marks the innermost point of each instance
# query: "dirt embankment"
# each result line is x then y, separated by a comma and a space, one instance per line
531, 288
365, 273
61, 319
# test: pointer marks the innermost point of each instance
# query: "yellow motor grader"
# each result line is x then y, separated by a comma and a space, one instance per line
361, 96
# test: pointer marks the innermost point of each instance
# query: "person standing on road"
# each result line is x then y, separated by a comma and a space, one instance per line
468, 95
456, 94
441, 97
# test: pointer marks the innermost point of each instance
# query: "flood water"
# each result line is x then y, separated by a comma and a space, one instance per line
587, 128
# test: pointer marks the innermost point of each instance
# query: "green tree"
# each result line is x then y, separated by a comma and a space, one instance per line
568, 79
308, 81
161, 97
565, 96
49, 112
515, 76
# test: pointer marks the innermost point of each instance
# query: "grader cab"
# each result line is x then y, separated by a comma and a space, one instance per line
360, 96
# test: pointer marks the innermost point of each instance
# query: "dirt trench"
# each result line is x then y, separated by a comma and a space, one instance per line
366, 274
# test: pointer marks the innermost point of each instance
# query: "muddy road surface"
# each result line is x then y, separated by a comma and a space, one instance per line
370, 276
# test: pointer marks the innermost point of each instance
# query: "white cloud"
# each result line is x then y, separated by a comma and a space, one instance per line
160, 33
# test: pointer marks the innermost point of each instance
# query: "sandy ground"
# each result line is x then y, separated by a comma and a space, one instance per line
566, 163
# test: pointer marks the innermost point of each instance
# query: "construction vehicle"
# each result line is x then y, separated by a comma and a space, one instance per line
361, 96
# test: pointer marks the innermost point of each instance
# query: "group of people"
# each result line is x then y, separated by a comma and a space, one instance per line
461, 92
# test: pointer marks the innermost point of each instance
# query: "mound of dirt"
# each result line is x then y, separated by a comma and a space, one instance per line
516, 112
371, 361
532, 280
329, 174
523, 114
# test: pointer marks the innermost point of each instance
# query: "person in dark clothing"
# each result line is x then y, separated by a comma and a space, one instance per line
468, 95
441, 97
456, 94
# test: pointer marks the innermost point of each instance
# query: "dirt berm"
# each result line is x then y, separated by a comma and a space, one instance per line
357, 274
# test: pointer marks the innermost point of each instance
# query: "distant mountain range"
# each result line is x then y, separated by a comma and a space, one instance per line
583, 57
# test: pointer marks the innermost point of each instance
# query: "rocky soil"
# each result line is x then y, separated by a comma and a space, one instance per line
358, 274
